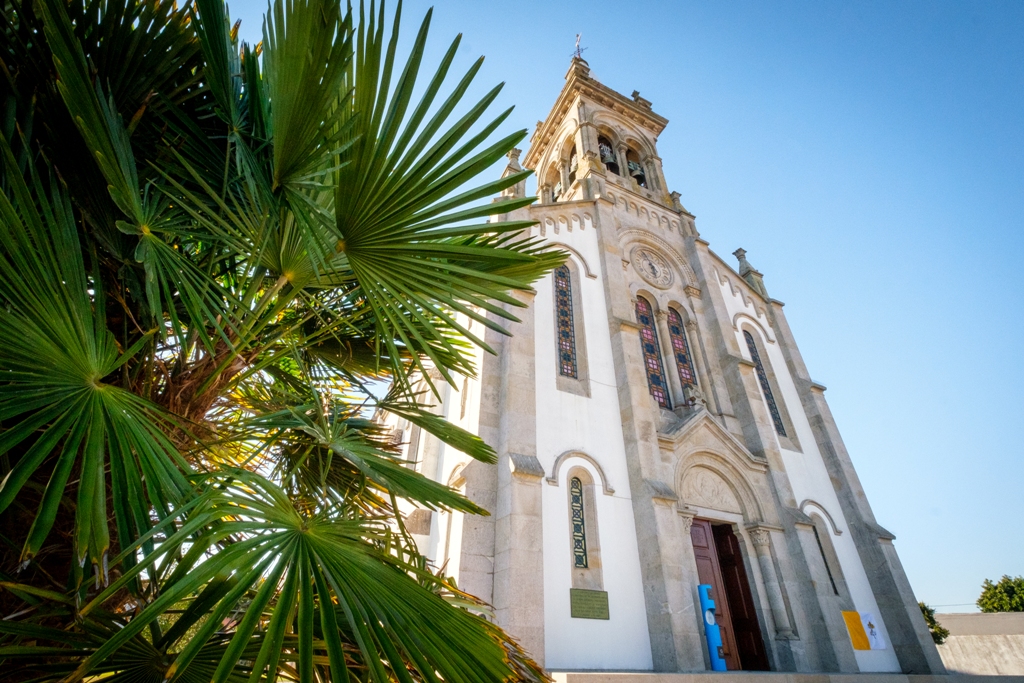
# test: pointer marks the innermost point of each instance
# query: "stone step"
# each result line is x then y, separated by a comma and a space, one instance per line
768, 677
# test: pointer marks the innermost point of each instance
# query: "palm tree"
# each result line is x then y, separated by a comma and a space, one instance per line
214, 254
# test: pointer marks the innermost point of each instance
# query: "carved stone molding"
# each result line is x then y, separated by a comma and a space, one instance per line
761, 538
660, 491
692, 292
553, 479
525, 466
686, 515
707, 489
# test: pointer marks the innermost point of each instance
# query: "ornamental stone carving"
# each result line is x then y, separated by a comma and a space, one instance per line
761, 538
705, 488
652, 267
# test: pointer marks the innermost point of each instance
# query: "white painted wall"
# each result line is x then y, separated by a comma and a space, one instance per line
806, 471
592, 425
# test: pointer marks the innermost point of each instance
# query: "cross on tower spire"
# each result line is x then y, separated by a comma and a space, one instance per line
578, 52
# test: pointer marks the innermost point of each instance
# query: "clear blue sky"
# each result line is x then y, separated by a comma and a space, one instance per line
870, 158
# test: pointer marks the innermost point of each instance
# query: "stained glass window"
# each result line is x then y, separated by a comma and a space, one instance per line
680, 349
566, 328
579, 531
652, 353
765, 386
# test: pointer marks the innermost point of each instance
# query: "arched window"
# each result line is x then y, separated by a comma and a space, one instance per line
680, 349
574, 163
765, 386
579, 525
566, 326
636, 170
652, 353
607, 152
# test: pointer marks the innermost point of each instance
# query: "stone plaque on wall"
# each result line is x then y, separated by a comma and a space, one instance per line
588, 604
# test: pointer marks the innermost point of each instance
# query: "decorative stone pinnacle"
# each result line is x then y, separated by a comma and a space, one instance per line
641, 101
749, 273
741, 255
513, 158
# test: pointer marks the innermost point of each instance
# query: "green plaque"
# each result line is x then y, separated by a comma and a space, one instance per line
587, 604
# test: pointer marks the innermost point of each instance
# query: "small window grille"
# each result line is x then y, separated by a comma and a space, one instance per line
566, 327
579, 531
656, 380
680, 349
765, 386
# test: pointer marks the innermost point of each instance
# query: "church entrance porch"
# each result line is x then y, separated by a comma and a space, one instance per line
720, 564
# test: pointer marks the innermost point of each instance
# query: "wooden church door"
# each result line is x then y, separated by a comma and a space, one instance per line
720, 564
746, 629
709, 572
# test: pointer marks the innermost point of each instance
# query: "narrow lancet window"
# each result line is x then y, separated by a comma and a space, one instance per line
765, 386
828, 570
579, 530
566, 328
680, 349
652, 353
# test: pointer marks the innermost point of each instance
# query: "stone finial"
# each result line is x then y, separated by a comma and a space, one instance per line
519, 189
749, 273
641, 101
741, 255
513, 159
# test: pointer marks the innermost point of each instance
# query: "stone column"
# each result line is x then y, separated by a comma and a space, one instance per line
653, 166
691, 578
623, 168
668, 358
545, 194
518, 529
762, 540
563, 168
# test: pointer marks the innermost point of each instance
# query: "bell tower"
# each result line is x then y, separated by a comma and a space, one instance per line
594, 136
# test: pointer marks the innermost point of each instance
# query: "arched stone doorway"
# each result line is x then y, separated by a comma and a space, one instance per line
728, 511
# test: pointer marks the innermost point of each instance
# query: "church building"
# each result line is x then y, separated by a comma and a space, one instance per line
656, 430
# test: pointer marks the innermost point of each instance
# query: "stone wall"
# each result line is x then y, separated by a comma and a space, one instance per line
987, 644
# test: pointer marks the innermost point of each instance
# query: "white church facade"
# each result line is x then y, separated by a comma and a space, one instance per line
656, 430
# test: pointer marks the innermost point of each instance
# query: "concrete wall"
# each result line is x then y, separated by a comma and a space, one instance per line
986, 644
